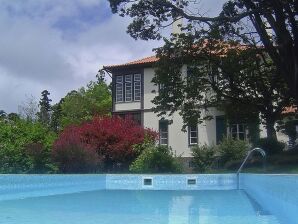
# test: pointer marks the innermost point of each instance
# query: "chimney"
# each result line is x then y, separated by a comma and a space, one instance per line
176, 26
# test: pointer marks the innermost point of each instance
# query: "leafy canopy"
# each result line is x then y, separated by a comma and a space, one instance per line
272, 24
83, 104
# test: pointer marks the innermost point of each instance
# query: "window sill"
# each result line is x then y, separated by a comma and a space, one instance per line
138, 101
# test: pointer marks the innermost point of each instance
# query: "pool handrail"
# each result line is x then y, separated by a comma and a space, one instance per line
261, 151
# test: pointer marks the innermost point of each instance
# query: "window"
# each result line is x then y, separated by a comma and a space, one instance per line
128, 88
163, 132
193, 135
190, 74
119, 88
238, 131
137, 87
136, 117
161, 87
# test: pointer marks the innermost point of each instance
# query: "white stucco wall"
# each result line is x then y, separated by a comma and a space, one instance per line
178, 139
150, 90
127, 106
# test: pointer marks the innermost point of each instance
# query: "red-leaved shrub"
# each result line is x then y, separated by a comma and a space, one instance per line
104, 140
71, 155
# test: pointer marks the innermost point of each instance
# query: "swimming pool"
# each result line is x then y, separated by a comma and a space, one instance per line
137, 207
168, 199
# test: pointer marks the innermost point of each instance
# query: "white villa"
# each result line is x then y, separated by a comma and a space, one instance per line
132, 94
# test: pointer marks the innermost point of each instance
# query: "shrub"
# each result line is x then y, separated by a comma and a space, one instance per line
25, 147
232, 150
72, 156
271, 146
203, 157
39, 159
156, 159
111, 138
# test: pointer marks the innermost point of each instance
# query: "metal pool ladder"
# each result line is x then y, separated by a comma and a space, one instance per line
259, 150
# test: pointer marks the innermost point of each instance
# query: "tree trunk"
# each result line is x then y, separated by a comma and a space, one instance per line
271, 132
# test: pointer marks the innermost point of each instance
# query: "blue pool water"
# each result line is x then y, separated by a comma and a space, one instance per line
137, 207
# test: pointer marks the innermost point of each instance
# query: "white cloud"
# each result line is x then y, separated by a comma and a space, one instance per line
59, 46
36, 54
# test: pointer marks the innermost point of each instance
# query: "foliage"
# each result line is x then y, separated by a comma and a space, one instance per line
231, 150
223, 54
84, 104
243, 114
156, 159
2, 114
112, 138
72, 156
10, 116
272, 24
44, 108
149, 140
25, 147
288, 125
56, 116
271, 146
203, 157
39, 159
219, 73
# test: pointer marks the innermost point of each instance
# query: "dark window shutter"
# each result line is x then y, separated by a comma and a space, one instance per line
221, 128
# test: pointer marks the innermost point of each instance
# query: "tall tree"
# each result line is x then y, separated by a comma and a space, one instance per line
219, 74
272, 24
56, 115
85, 103
28, 109
2, 114
44, 108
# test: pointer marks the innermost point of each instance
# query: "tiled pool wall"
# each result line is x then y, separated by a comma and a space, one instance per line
276, 193
20, 186
172, 182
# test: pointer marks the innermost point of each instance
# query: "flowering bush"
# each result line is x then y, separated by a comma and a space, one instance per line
71, 155
111, 139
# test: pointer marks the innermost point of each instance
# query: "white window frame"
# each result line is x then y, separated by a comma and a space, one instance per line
161, 133
236, 134
119, 88
128, 85
137, 87
193, 129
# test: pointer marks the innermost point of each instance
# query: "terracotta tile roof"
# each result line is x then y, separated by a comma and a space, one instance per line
143, 61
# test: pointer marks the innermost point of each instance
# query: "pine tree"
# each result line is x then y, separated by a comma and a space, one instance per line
44, 114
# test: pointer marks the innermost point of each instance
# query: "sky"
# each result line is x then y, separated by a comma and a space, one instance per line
59, 45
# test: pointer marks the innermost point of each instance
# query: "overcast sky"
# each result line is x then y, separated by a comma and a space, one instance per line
59, 45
